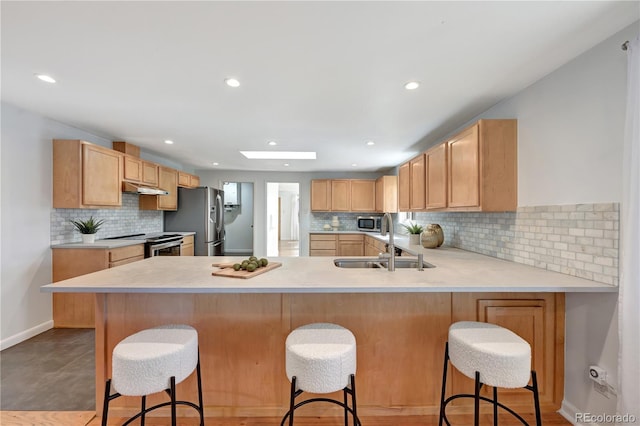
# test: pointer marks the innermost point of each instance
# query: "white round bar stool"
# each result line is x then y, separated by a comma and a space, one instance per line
154, 360
321, 358
492, 356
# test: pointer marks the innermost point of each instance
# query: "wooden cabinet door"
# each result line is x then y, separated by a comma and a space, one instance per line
350, 245
404, 188
363, 195
101, 176
320, 195
187, 246
150, 173
340, 195
436, 177
194, 181
536, 317
387, 194
417, 179
184, 179
168, 180
464, 169
132, 169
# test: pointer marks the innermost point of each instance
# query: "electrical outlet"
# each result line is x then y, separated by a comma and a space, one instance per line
598, 375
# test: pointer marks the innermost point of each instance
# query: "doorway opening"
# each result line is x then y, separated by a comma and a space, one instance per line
238, 218
283, 219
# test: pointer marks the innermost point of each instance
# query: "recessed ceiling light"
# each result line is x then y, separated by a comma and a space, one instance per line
279, 155
46, 78
371, 143
272, 143
412, 85
216, 164
232, 82
286, 164
354, 165
168, 142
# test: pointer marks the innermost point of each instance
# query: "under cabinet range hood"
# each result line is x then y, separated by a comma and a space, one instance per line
137, 188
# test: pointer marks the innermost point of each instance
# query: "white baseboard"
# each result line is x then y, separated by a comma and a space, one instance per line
25, 335
569, 411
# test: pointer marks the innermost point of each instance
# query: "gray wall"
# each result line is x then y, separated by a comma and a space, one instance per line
238, 223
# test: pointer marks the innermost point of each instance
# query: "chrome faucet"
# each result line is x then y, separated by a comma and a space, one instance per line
387, 223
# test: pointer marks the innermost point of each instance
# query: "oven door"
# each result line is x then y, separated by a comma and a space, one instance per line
171, 248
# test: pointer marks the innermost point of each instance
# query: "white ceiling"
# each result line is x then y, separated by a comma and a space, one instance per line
323, 76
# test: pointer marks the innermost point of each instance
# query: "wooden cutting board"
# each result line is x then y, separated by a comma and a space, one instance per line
227, 270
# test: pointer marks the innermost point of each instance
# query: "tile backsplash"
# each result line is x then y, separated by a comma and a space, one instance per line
347, 220
580, 240
125, 220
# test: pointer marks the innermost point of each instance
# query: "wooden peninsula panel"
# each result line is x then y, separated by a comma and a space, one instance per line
400, 339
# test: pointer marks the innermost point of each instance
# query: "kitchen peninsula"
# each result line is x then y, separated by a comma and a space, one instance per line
400, 320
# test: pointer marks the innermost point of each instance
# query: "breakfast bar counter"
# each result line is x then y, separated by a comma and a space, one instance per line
400, 320
455, 271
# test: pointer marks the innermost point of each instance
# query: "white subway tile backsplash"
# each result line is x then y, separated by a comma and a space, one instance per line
580, 240
125, 220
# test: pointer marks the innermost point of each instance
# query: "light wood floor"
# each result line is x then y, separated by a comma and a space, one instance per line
87, 418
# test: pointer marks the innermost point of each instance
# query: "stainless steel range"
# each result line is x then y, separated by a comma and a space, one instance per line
156, 244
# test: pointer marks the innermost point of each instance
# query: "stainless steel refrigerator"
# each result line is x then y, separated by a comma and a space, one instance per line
200, 210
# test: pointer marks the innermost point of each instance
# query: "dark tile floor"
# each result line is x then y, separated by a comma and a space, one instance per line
53, 371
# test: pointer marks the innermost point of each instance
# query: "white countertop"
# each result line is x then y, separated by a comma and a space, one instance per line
110, 244
456, 271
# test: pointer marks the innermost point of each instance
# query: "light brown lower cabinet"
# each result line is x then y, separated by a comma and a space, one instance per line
76, 310
336, 245
536, 317
373, 247
400, 336
350, 245
187, 246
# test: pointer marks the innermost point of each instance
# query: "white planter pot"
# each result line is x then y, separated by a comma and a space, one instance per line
414, 239
88, 238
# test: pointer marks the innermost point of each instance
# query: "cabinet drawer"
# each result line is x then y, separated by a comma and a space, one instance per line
322, 237
322, 245
122, 253
187, 239
125, 261
351, 237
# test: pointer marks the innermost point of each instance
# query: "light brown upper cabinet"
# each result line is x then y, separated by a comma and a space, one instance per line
150, 173
132, 169
321, 195
340, 195
404, 187
363, 195
387, 194
343, 195
417, 183
167, 180
482, 167
187, 180
86, 175
436, 177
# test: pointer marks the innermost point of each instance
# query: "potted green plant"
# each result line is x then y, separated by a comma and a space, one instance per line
88, 228
414, 231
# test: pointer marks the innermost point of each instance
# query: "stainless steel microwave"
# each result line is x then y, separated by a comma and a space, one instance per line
369, 223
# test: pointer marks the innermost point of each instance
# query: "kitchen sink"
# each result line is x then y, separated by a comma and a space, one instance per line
358, 263
375, 263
